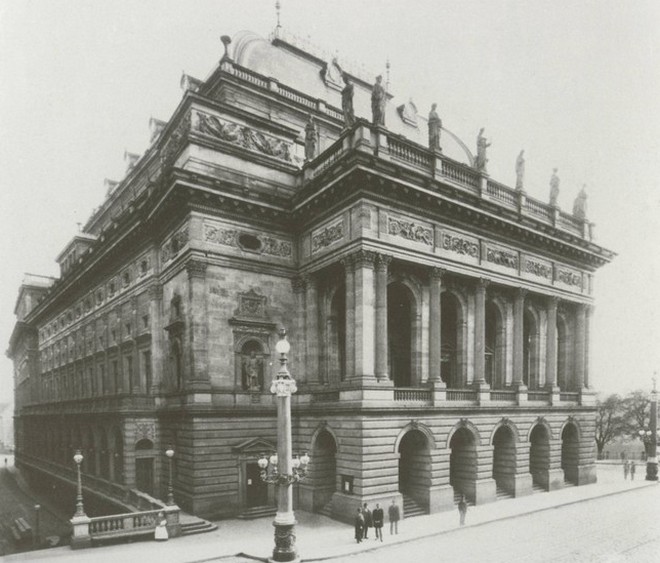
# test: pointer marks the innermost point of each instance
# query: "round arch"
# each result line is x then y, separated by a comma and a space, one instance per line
423, 428
540, 422
323, 427
574, 422
495, 340
464, 424
404, 332
505, 424
453, 335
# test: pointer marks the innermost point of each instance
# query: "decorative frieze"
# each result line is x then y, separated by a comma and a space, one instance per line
501, 257
536, 267
249, 242
327, 236
242, 136
458, 244
174, 245
409, 230
568, 277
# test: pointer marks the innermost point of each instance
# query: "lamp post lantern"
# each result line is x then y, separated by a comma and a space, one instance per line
80, 511
169, 452
652, 438
281, 468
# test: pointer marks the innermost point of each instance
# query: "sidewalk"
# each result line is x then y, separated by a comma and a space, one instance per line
320, 538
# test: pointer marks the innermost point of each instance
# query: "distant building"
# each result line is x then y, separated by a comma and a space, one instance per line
439, 320
6, 426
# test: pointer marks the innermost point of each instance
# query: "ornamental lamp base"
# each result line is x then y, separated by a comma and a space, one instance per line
652, 470
285, 544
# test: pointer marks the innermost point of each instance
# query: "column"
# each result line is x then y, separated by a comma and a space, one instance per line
197, 329
382, 265
480, 333
551, 345
155, 293
364, 315
298, 333
311, 329
349, 347
435, 323
518, 334
587, 343
580, 345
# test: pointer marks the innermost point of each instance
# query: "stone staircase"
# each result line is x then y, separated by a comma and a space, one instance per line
502, 493
198, 527
257, 512
537, 488
327, 509
412, 508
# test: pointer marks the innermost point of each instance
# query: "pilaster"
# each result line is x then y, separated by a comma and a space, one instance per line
299, 352
364, 315
518, 344
198, 338
155, 294
382, 265
435, 323
551, 351
480, 341
311, 329
580, 346
348, 264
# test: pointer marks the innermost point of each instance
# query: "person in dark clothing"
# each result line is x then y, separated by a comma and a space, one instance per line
462, 509
395, 515
378, 516
359, 525
368, 521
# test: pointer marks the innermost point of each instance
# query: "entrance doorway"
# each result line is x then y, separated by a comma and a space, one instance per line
256, 489
144, 474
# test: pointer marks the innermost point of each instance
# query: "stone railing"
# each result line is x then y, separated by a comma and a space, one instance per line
538, 395
409, 153
503, 194
461, 174
325, 397
508, 395
117, 527
461, 395
569, 396
412, 394
250, 76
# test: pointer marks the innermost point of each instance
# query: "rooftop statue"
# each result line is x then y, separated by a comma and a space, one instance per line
580, 204
520, 171
435, 126
311, 135
347, 101
378, 98
482, 145
554, 188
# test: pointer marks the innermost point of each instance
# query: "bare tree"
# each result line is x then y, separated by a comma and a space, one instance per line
610, 421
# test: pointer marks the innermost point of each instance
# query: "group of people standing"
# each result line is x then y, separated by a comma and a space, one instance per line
366, 518
629, 468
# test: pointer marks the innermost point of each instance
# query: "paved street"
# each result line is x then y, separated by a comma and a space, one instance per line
610, 529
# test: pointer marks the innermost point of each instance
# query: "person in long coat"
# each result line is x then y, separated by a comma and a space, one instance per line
395, 515
368, 521
462, 509
378, 517
359, 525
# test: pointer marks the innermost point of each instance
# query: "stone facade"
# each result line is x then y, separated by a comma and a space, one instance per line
439, 321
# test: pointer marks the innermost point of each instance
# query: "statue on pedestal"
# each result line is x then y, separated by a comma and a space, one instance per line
482, 145
580, 204
435, 126
378, 99
252, 372
554, 188
311, 136
347, 102
520, 171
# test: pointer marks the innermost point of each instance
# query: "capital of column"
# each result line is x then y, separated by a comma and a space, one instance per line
196, 269
308, 281
482, 284
437, 273
155, 292
364, 259
348, 262
383, 262
521, 293
553, 302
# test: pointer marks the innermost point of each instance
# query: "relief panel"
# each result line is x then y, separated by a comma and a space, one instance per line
536, 269
500, 258
458, 246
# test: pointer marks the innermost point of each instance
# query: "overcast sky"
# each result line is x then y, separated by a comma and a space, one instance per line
574, 83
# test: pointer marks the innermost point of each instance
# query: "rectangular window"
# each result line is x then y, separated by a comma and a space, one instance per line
347, 483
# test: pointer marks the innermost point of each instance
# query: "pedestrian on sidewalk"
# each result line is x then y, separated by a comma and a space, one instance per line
160, 534
359, 525
368, 522
378, 516
625, 470
632, 470
394, 514
462, 509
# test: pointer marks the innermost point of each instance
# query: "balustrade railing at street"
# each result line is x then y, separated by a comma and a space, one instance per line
503, 395
412, 394
461, 395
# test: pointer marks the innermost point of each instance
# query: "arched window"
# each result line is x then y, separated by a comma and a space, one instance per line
452, 330
401, 330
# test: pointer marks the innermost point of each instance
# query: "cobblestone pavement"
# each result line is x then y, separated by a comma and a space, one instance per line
608, 529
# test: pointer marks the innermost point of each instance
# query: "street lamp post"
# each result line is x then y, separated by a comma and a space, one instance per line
37, 541
169, 452
281, 469
651, 452
80, 511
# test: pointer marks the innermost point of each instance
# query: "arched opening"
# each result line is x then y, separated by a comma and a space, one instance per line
570, 446
539, 457
118, 457
323, 469
336, 331
463, 464
451, 336
414, 472
504, 461
495, 346
531, 342
400, 319
144, 466
252, 366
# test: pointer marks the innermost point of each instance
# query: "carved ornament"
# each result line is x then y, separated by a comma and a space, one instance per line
460, 245
383, 262
537, 268
145, 431
327, 236
175, 142
410, 231
251, 304
249, 242
364, 259
502, 257
243, 136
174, 245
569, 277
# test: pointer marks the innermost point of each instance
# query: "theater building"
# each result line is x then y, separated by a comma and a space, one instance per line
439, 320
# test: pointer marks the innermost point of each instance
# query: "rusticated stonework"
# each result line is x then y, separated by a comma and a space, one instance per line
327, 236
242, 136
409, 230
250, 242
460, 245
